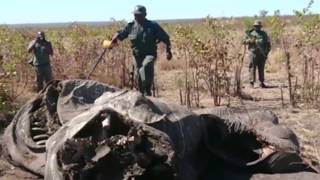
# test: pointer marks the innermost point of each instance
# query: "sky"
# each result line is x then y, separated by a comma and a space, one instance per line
45, 11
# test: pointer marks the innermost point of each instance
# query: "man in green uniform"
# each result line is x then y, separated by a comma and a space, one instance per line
144, 36
259, 47
42, 50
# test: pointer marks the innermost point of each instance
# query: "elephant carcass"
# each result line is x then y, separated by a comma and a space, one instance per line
102, 132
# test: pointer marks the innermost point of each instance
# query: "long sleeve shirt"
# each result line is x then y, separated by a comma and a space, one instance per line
144, 37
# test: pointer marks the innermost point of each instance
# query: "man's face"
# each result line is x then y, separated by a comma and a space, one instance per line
139, 17
40, 36
258, 28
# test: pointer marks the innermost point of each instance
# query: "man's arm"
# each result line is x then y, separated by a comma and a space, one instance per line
122, 34
268, 46
248, 39
163, 36
50, 49
266, 43
31, 45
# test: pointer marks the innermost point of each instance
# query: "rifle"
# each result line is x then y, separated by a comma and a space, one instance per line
97, 62
106, 45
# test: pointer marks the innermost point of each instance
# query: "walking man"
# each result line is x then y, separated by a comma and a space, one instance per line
144, 36
259, 47
42, 50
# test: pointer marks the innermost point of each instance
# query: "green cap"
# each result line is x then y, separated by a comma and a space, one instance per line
139, 9
257, 23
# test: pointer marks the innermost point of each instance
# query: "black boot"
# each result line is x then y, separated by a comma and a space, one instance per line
148, 93
262, 85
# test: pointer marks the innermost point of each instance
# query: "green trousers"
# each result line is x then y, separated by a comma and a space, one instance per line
144, 73
44, 75
256, 61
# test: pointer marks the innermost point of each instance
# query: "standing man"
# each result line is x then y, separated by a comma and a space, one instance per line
42, 50
259, 47
144, 36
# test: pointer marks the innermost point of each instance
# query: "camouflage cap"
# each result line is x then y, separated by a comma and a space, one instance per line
257, 23
139, 9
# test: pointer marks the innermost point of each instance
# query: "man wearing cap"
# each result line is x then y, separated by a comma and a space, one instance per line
42, 50
259, 47
144, 36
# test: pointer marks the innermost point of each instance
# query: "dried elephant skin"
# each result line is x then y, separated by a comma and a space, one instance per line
79, 129
254, 139
39, 118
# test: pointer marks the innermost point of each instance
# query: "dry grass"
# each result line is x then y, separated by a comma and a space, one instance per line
164, 65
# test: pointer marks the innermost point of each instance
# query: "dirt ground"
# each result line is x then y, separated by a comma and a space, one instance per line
303, 121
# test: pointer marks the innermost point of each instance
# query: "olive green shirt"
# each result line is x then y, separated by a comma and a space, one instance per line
144, 37
262, 41
42, 52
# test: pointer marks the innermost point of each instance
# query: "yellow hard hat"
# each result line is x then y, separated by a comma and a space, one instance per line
107, 44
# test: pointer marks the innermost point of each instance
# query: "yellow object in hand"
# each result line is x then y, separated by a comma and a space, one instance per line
107, 44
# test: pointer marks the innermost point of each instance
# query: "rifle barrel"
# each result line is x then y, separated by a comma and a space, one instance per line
97, 62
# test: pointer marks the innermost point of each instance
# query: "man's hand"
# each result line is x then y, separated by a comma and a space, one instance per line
30, 62
252, 40
169, 55
114, 39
